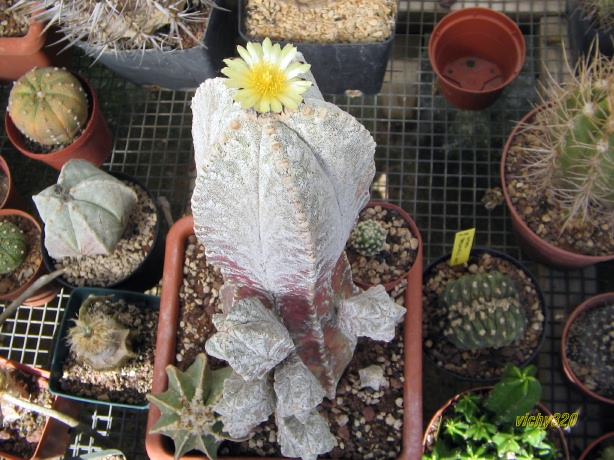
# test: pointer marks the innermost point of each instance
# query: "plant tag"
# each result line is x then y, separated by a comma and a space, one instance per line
463, 241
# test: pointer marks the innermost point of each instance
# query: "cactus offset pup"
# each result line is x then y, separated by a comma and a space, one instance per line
368, 238
49, 106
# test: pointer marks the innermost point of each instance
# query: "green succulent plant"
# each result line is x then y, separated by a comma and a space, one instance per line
368, 238
607, 453
98, 339
483, 311
13, 247
48, 105
188, 408
572, 152
599, 12
492, 426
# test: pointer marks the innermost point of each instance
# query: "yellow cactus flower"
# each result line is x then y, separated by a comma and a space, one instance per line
266, 77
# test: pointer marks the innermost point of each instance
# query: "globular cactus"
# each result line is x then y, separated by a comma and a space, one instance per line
368, 238
98, 339
86, 212
483, 311
572, 155
13, 247
48, 105
276, 197
599, 12
188, 408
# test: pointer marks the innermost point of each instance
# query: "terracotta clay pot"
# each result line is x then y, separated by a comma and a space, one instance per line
414, 231
476, 53
532, 244
432, 428
56, 435
93, 144
594, 447
13, 199
46, 293
589, 304
161, 447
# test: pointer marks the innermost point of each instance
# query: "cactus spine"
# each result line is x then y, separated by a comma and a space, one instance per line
368, 238
573, 157
86, 212
98, 339
48, 105
483, 311
13, 248
276, 197
599, 12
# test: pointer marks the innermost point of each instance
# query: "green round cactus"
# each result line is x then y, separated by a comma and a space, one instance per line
573, 157
48, 105
484, 311
13, 247
599, 12
368, 238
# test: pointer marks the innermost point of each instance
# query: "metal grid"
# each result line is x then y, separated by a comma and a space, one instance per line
432, 159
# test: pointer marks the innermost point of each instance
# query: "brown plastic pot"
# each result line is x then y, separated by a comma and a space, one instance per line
94, 144
56, 435
594, 447
414, 231
589, 304
530, 242
433, 427
46, 293
13, 199
476, 53
161, 447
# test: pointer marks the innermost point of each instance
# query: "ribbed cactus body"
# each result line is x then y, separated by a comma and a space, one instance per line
368, 238
13, 247
48, 105
86, 212
483, 311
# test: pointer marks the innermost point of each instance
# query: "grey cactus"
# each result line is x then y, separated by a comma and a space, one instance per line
13, 248
483, 311
97, 338
188, 408
48, 105
86, 212
368, 238
276, 197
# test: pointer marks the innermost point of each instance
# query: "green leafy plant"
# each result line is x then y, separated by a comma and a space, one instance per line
48, 105
13, 247
368, 238
493, 425
484, 311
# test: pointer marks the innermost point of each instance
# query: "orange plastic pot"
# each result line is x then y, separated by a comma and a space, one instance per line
13, 199
530, 242
476, 53
160, 447
597, 301
56, 435
93, 144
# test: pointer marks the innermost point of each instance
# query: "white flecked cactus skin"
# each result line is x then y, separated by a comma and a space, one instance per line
275, 200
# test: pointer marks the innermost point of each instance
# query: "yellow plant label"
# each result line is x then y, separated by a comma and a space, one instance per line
463, 241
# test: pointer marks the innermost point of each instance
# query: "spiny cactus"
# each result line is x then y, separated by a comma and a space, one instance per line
276, 197
483, 311
86, 212
572, 157
368, 238
599, 12
188, 408
48, 105
13, 247
97, 338
125, 24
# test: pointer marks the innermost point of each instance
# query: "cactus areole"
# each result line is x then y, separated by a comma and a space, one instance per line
276, 197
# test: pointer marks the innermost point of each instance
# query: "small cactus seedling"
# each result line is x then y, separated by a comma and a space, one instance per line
13, 247
483, 311
188, 408
98, 339
86, 212
48, 105
368, 238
